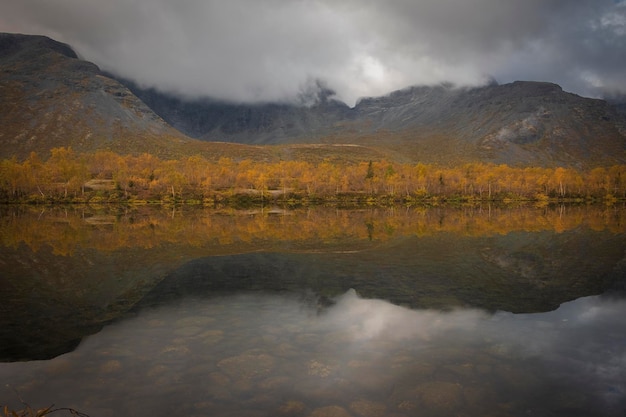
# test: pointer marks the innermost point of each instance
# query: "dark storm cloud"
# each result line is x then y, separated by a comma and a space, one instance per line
253, 50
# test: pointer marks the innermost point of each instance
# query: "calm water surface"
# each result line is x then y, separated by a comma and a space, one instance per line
433, 312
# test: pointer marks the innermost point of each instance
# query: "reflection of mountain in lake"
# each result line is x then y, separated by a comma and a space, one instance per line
519, 272
51, 301
80, 273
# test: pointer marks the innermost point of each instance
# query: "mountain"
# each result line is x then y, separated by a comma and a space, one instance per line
49, 98
522, 122
519, 123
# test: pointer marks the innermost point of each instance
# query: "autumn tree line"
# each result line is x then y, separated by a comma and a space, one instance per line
104, 176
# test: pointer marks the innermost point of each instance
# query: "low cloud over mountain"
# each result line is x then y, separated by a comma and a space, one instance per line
268, 50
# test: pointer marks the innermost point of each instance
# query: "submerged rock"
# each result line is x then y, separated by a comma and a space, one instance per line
111, 366
248, 365
441, 395
366, 408
320, 369
290, 408
330, 411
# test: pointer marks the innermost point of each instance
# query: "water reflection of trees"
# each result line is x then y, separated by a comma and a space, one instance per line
115, 228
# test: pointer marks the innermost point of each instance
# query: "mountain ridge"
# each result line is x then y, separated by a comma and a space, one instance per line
525, 121
51, 98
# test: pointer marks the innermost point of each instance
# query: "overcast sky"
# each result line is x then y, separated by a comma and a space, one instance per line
268, 50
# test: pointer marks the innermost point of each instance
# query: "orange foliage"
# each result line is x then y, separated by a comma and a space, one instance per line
64, 176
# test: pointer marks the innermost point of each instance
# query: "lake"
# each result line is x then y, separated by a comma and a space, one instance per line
425, 311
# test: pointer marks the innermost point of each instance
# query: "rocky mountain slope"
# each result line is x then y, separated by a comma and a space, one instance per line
528, 122
50, 98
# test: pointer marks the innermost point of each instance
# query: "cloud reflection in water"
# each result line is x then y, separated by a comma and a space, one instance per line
262, 354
